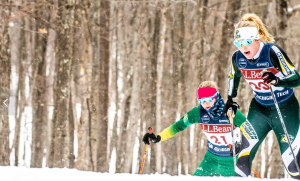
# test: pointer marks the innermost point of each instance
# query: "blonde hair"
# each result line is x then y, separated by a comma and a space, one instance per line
208, 84
252, 20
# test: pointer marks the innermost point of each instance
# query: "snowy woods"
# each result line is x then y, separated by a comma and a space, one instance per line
84, 79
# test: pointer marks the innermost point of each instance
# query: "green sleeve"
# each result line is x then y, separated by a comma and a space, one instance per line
188, 119
239, 118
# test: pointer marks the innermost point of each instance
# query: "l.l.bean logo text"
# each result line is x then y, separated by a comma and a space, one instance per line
255, 74
251, 74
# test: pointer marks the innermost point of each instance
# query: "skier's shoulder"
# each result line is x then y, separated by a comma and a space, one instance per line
193, 114
233, 56
195, 111
275, 49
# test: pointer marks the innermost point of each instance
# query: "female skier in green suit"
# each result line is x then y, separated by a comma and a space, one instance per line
217, 128
257, 53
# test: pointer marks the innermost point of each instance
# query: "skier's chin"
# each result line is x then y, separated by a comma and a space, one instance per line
248, 55
207, 108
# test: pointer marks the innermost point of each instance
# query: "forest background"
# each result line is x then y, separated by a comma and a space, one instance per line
83, 79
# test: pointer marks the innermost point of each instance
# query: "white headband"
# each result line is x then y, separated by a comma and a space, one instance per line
246, 33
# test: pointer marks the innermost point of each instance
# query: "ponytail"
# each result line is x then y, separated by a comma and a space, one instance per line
252, 20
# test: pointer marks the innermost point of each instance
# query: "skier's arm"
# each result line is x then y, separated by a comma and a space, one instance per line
233, 78
282, 62
188, 119
239, 118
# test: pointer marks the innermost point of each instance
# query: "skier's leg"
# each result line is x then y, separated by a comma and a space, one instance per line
226, 166
290, 115
213, 165
254, 129
208, 166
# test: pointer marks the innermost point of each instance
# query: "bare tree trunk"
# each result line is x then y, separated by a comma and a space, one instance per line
123, 129
82, 79
126, 102
160, 65
102, 155
148, 86
281, 9
5, 70
115, 74
71, 130
231, 17
51, 61
60, 134
17, 61
201, 36
153, 80
39, 98
171, 157
134, 114
39, 107
95, 79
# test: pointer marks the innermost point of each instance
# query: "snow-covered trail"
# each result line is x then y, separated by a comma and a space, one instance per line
56, 174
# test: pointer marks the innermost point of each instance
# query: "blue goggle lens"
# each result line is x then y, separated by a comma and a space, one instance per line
246, 43
206, 99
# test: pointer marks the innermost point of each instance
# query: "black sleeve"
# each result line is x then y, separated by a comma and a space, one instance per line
234, 77
282, 62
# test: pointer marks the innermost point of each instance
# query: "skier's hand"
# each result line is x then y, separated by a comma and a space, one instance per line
151, 137
155, 139
238, 148
230, 104
270, 78
146, 139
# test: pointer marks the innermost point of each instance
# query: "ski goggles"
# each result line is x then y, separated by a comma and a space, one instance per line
245, 42
207, 99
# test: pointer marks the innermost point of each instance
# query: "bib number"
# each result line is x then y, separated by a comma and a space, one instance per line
259, 86
217, 140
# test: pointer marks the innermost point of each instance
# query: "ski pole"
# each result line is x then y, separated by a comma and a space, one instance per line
256, 173
142, 166
229, 113
282, 123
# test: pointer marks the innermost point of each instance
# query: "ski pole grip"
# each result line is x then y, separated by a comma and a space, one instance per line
230, 116
150, 130
262, 72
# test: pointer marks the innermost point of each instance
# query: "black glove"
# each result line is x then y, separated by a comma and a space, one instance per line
238, 148
153, 138
230, 104
269, 77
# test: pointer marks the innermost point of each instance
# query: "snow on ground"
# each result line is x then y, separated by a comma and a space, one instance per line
56, 174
